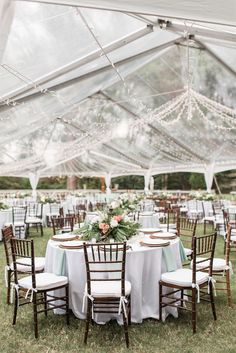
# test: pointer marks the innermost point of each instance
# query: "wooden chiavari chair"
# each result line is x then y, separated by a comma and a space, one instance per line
106, 290
169, 220
34, 289
192, 280
63, 224
186, 230
230, 219
7, 235
221, 269
34, 217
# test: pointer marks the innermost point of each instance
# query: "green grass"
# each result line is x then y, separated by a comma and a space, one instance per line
174, 335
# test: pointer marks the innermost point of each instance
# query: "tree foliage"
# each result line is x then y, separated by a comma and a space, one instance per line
172, 181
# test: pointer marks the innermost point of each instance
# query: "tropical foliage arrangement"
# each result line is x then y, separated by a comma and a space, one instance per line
108, 226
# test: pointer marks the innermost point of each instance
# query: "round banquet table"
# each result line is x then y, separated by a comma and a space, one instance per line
144, 266
149, 220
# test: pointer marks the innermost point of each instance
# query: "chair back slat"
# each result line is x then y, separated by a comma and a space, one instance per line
7, 235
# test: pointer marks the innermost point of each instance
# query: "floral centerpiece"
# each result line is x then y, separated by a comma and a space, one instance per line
202, 195
22, 195
46, 199
108, 226
125, 203
163, 195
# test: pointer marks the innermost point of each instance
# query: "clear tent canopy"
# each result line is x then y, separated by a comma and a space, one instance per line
116, 91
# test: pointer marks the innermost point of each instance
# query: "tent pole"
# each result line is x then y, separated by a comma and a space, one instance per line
217, 185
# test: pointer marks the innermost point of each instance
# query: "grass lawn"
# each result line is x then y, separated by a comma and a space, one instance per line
175, 335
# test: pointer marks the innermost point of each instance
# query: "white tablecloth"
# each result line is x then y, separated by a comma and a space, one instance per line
147, 220
144, 267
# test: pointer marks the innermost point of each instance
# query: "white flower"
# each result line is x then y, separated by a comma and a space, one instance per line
126, 218
95, 219
115, 204
114, 223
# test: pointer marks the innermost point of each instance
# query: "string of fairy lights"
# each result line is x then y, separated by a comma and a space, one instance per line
188, 105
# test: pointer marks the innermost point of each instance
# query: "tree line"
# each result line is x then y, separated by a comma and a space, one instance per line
174, 181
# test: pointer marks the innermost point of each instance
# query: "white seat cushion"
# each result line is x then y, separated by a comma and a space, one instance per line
209, 218
112, 289
218, 264
39, 264
19, 224
33, 220
183, 277
43, 281
188, 251
233, 238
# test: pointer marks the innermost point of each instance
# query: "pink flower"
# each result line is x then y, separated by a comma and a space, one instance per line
104, 227
118, 218
101, 225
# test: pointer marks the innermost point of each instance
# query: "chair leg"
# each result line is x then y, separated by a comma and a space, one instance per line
88, 317
129, 316
194, 312
45, 303
35, 315
212, 300
67, 305
41, 229
8, 286
15, 308
228, 288
182, 298
160, 302
125, 323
